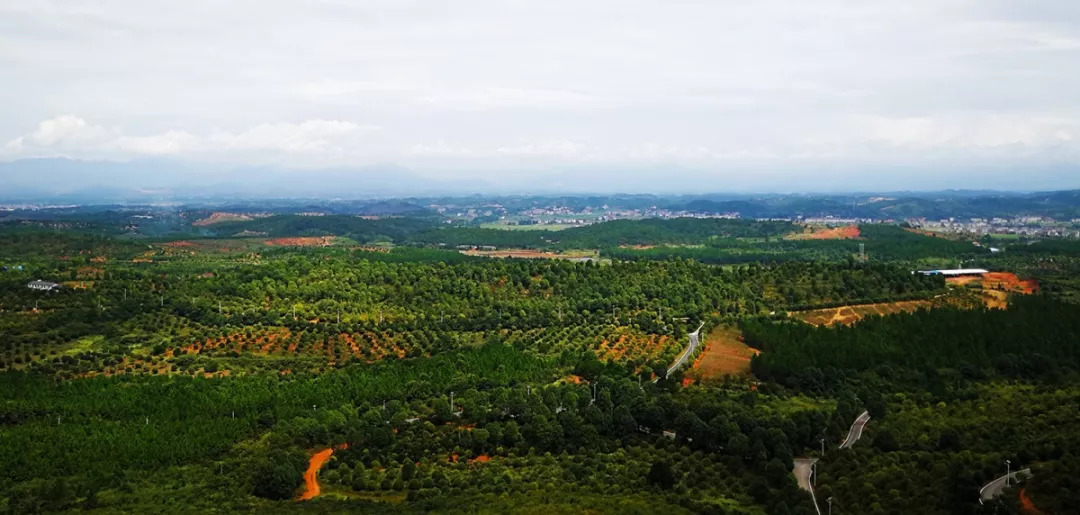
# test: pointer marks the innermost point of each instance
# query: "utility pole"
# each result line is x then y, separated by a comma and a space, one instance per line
829, 500
339, 315
147, 421
451, 402
823, 447
1007, 473
162, 301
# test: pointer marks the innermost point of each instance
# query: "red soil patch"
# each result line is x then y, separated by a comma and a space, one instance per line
724, 354
1026, 506
311, 483
846, 232
1009, 282
179, 244
306, 241
964, 280
483, 458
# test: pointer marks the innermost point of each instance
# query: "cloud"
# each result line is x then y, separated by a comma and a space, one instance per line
501, 86
72, 136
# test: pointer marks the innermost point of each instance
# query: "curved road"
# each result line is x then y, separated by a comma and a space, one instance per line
804, 468
689, 351
994, 488
855, 432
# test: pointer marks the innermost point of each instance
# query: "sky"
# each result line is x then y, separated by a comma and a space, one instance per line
717, 94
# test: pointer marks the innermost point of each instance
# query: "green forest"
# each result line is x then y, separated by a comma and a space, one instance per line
211, 373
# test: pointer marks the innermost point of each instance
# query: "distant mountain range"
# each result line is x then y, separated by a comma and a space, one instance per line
147, 181
1057, 204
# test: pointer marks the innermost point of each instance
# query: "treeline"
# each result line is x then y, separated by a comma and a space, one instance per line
882, 242
1034, 338
649, 231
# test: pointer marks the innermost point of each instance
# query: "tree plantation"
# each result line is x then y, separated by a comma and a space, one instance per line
336, 363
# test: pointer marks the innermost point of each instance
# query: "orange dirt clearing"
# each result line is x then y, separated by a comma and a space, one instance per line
846, 232
1009, 282
311, 480
483, 458
725, 354
848, 315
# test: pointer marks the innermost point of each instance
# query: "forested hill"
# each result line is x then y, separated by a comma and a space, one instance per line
1036, 337
882, 242
1062, 205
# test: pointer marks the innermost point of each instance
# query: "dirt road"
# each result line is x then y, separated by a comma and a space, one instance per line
311, 479
803, 471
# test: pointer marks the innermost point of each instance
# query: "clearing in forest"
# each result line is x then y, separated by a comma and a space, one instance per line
219, 217
996, 286
846, 232
303, 241
848, 315
530, 254
725, 354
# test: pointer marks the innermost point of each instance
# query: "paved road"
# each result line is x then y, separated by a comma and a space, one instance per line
994, 488
803, 471
855, 432
689, 351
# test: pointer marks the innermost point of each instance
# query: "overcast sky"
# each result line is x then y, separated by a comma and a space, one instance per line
730, 89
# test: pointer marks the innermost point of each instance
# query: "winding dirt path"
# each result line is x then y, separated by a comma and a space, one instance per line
311, 476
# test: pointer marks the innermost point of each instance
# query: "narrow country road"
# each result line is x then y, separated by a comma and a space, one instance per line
686, 354
803, 471
994, 488
856, 430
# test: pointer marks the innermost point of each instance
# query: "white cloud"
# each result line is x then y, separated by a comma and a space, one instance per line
494, 85
72, 136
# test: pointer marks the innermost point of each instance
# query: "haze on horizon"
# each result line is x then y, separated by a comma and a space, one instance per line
601, 96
